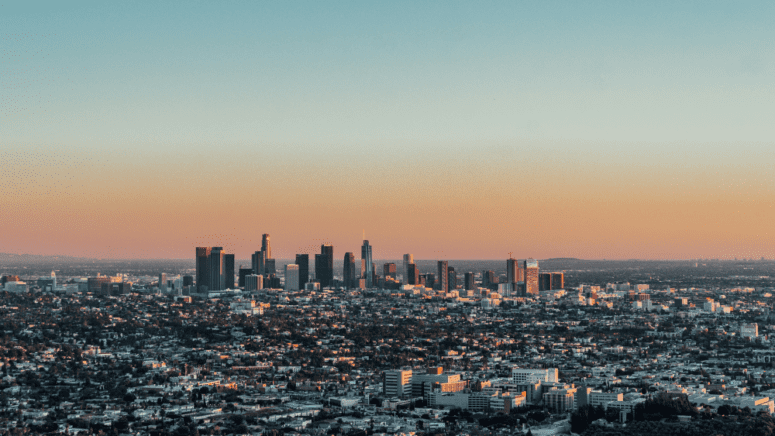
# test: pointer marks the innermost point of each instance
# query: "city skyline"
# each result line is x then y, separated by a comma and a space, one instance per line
449, 130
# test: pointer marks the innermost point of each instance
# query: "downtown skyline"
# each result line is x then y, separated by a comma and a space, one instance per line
449, 130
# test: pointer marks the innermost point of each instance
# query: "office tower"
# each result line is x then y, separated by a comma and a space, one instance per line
408, 258
258, 259
272, 282
412, 274
203, 268
397, 383
558, 280
389, 270
530, 267
265, 246
188, 281
368, 274
228, 271
443, 276
253, 282
512, 268
488, 279
269, 267
452, 279
544, 281
216, 269
469, 281
430, 280
243, 272
291, 277
422, 280
324, 266
163, 281
303, 261
348, 271
374, 275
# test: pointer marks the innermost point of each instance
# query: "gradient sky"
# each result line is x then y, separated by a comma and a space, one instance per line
451, 130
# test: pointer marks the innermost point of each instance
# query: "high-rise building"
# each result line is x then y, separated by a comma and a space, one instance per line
291, 277
188, 280
489, 280
530, 267
430, 280
258, 258
544, 281
243, 272
408, 258
397, 383
265, 246
413, 274
203, 268
303, 261
253, 282
558, 280
216, 269
443, 276
324, 266
228, 271
269, 267
163, 281
512, 271
366, 257
452, 279
469, 281
349, 274
389, 270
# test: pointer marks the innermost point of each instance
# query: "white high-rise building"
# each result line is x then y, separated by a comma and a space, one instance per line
408, 258
291, 277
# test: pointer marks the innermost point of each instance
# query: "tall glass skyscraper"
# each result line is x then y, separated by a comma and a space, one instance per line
367, 260
324, 266
302, 260
348, 271
443, 276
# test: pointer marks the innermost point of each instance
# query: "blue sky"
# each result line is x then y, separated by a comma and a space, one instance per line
390, 72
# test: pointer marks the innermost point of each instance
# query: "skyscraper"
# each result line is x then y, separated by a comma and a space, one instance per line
216, 269
443, 276
243, 272
389, 270
413, 274
253, 282
265, 246
512, 268
469, 281
258, 259
269, 267
558, 280
349, 274
408, 258
531, 276
291, 277
303, 261
324, 266
203, 268
366, 258
228, 271
452, 281
163, 281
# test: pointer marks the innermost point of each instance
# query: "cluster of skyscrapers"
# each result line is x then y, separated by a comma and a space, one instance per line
215, 271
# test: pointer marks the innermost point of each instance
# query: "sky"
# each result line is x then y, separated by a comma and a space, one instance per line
450, 130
